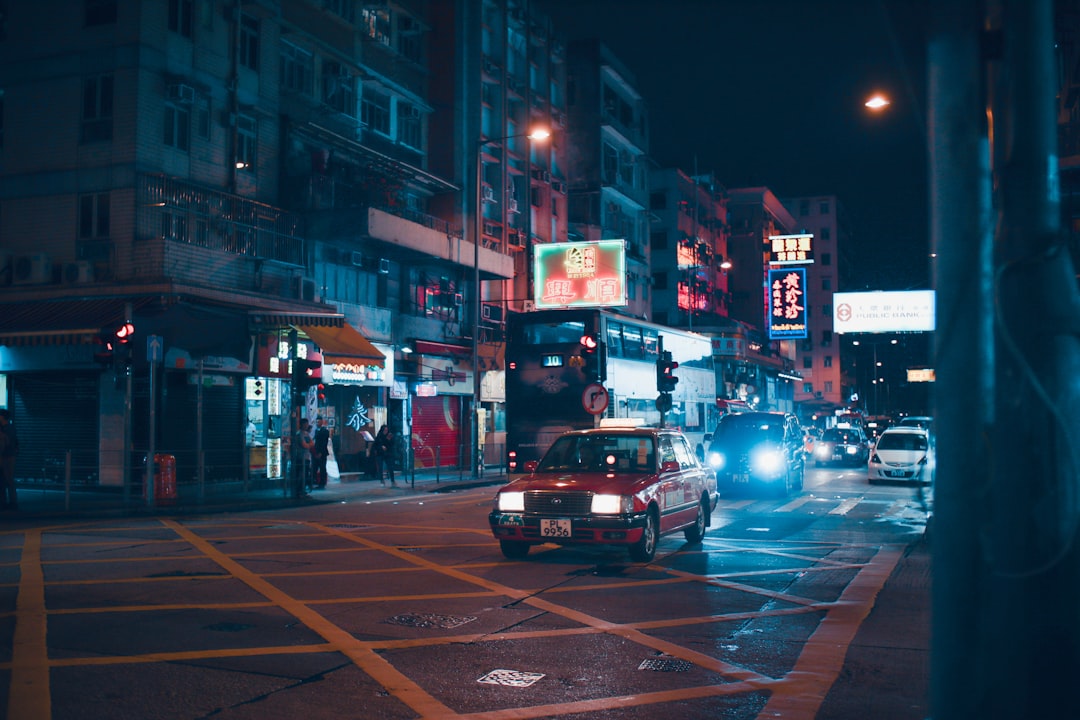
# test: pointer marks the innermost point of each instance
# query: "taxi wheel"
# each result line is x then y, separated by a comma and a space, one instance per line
696, 532
644, 550
513, 549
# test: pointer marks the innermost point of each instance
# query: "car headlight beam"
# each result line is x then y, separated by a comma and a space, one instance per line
510, 502
611, 504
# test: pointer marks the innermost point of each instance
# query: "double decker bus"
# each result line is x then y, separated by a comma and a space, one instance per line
570, 369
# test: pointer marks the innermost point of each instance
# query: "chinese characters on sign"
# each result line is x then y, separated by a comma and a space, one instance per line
580, 274
787, 306
791, 249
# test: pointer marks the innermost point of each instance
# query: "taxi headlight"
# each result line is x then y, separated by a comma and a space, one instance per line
767, 461
510, 502
716, 460
611, 504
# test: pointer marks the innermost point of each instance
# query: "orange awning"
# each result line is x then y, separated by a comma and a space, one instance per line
343, 344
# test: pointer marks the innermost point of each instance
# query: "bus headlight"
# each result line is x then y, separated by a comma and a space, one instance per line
716, 460
611, 504
510, 502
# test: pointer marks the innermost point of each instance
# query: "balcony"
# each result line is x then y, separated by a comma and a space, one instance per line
406, 230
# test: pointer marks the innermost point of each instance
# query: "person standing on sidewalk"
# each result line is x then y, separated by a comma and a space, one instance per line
320, 451
9, 448
384, 455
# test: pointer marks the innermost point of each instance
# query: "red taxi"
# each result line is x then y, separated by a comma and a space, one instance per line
609, 486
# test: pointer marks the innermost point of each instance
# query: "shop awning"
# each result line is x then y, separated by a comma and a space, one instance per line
61, 322
343, 344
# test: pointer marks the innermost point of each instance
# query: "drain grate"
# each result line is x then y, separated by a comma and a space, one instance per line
430, 620
665, 663
511, 678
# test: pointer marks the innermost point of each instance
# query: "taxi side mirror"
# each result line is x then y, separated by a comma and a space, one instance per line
669, 466
531, 466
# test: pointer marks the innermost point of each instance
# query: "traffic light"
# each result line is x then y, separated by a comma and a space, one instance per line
123, 335
593, 360
665, 373
306, 373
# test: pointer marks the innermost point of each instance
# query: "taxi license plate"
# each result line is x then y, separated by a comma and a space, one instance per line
740, 477
897, 473
555, 528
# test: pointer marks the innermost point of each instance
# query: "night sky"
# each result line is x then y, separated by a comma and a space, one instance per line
771, 93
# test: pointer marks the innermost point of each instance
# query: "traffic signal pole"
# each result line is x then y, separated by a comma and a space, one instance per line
1006, 630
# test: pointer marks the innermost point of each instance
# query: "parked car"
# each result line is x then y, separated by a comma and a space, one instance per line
846, 446
625, 486
902, 454
920, 421
759, 450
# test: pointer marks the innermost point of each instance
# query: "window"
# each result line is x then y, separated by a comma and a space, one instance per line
658, 240
410, 125
660, 280
375, 111
177, 126
826, 310
828, 386
808, 362
342, 8
202, 116
339, 88
826, 338
249, 42
376, 25
100, 12
94, 216
827, 361
826, 283
826, 259
180, 17
408, 39
97, 108
246, 142
1, 118
297, 69
826, 233
658, 200
808, 388
824, 207
804, 207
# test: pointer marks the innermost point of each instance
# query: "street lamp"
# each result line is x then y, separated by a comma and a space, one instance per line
478, 230
876, 381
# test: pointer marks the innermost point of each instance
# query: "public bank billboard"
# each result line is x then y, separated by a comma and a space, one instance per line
883, 311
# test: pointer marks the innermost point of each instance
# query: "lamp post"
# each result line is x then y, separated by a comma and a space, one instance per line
876, 381
478, 234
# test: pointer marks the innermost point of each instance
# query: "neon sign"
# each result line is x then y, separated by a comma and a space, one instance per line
787, 303
787, 249
580, 274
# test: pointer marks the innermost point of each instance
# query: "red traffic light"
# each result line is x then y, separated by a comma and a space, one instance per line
589, 343
125, 332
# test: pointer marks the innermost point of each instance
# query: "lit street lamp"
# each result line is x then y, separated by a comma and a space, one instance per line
876, 381
478, 234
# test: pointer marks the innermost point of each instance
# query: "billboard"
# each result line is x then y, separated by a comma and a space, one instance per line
579, 274
787, 303
791, 249
883, 311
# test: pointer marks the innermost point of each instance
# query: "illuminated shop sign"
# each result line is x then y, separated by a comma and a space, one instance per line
787, 303
580, 274
788, 249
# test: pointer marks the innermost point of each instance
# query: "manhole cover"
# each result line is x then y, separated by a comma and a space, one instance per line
430, 620
665, 664
512, 678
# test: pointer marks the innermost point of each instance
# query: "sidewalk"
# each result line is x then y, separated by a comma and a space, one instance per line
51, 501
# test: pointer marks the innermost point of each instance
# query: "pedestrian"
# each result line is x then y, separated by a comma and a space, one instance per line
384, 455
9, 448
302, 457
320, 451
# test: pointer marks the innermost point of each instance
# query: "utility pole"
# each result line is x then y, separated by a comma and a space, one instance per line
1006, 631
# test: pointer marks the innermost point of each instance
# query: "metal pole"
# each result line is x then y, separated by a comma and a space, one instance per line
477, 234
151, 468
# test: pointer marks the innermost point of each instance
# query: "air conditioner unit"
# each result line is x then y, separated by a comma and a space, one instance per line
304, 289
528, 305
512, 205
410, 111
357, 259
489, 194
33, 269
492, 313
7, 266
558, 186
182, 94
384, 266
79, 272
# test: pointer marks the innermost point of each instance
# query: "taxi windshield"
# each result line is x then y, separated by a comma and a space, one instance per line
601, 453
